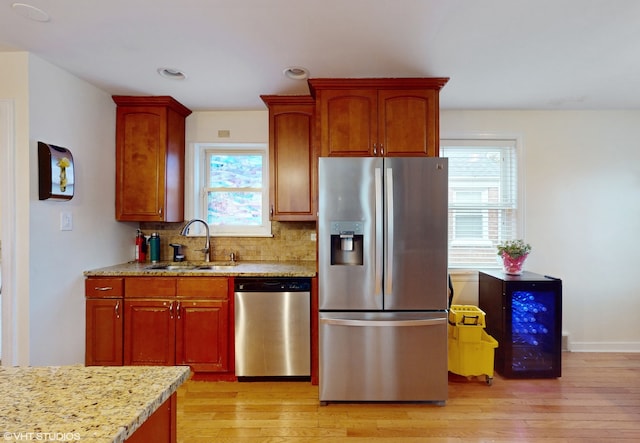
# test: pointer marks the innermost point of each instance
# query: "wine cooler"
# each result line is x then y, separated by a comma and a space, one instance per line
524, 314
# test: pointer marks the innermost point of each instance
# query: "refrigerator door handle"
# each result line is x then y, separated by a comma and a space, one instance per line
379, 323
389, 228
379, 232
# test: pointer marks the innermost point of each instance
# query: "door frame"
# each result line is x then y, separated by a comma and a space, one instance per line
7, 232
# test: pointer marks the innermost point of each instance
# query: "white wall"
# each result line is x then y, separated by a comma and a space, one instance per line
69, 112
582, 213
243, 126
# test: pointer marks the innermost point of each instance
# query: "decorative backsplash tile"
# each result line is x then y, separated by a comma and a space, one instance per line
291, 241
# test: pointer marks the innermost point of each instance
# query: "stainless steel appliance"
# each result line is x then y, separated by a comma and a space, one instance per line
382, 258
272, 327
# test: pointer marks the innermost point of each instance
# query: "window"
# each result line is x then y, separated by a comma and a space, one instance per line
484, 208
229, 188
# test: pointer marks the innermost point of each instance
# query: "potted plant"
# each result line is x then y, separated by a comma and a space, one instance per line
513, 253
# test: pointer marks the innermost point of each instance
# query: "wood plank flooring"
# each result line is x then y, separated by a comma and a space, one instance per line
597, 399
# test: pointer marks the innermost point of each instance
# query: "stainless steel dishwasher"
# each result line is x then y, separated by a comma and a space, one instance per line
273, 327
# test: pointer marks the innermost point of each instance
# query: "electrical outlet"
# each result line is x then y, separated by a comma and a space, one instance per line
66, 221
313, 236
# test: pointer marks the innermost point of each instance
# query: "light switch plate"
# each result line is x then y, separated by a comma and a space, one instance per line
66, 221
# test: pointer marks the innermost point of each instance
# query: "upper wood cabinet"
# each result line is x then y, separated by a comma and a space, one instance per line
378, 117
292, 158
150, 158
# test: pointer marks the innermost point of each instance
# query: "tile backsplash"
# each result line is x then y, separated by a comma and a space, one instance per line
291, 241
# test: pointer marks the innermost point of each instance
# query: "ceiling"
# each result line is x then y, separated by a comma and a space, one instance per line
499, 54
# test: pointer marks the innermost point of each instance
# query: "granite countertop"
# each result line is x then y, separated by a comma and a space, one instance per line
92, 404
239, 269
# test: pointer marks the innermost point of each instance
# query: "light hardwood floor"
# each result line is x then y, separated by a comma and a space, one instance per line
596, 399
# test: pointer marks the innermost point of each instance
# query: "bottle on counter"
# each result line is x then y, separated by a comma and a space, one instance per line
154, 247
141, 247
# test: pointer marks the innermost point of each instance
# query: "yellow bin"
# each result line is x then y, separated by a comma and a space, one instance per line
466, 323
466, 315
471, 349
473, 358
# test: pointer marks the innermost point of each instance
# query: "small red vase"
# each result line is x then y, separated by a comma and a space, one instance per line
513, 266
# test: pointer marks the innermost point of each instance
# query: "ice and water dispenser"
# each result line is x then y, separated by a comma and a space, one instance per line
346, 242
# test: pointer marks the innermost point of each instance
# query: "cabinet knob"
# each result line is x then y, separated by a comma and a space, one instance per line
375, 149
117, 309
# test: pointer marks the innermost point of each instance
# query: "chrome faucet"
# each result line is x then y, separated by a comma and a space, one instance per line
207, 245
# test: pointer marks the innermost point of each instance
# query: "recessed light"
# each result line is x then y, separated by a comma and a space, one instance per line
173, 74
30, 12
296, 73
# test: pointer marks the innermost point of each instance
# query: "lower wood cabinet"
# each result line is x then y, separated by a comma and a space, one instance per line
104, 332
177, 332
149, 332
104, 322
202, 341
160, 321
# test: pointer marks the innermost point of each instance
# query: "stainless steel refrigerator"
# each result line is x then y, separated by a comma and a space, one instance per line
382, 268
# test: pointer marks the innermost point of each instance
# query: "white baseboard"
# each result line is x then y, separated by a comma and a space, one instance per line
604, 346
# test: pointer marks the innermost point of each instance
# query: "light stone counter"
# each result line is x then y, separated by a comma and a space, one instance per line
92, 404
241, 269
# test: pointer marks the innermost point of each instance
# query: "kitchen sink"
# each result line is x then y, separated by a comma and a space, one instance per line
217, 267
171, 267
213, 266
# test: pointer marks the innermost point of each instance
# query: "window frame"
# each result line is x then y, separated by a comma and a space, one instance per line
196, 171
482, 141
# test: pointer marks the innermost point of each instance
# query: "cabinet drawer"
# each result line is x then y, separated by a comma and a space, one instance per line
203, 287
150, 287
100, 287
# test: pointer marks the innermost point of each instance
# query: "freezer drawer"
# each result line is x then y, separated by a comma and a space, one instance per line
383, 356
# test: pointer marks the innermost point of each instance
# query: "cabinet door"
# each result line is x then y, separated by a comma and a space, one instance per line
348, 120
201, 335
149, 331
140, 163
408, 122
104, 328
292, 159
150, 158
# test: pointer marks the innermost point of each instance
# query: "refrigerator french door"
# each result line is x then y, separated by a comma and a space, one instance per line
383, 279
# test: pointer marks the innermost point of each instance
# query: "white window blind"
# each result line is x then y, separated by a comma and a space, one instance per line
483, 199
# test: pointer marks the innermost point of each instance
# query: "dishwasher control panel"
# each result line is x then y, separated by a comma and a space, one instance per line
279, 284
